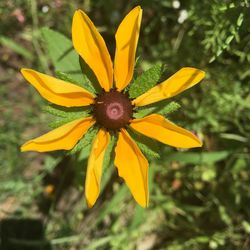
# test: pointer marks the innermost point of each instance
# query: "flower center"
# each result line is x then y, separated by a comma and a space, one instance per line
113, 109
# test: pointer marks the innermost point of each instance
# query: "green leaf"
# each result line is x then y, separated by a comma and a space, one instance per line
64, 112
65, 115
145, 81
16, 47
85, 142
58, 122
108, 163
83, 82
109, 153
90, 76
62, 54
159, 108
148, 146
198, 158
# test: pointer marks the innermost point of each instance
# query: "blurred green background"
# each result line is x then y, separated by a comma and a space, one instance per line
199, 199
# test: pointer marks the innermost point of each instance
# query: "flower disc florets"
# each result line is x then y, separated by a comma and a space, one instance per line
113, 110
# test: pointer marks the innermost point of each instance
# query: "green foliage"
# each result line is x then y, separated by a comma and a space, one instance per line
85, 141
221, 26
90, 76
83, 82
64, 115
62, 54
148, 146
161, 108
198, 158
66, 61
5, 41
109, 153
145, 81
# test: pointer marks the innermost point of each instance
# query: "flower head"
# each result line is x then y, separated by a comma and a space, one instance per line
112, 108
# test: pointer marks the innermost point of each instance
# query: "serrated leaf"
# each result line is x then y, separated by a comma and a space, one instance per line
145, 81
62, 54
65, 112
149, 152
65, 115
109, 153
61, 121
86, 141
90, 76
149, 147
160, 108
84, 82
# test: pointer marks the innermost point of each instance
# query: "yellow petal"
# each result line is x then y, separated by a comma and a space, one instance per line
132, 167
64, 137
58, 91
92, 48
94, 170
180, 81
126, 43
159, 128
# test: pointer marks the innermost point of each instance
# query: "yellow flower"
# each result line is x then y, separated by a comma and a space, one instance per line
112, 109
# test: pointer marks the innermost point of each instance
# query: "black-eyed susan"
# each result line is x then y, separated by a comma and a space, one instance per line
112, 108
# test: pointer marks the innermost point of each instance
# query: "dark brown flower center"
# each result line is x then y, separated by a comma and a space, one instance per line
113, 109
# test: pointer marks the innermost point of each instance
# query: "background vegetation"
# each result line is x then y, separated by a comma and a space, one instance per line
200, 198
